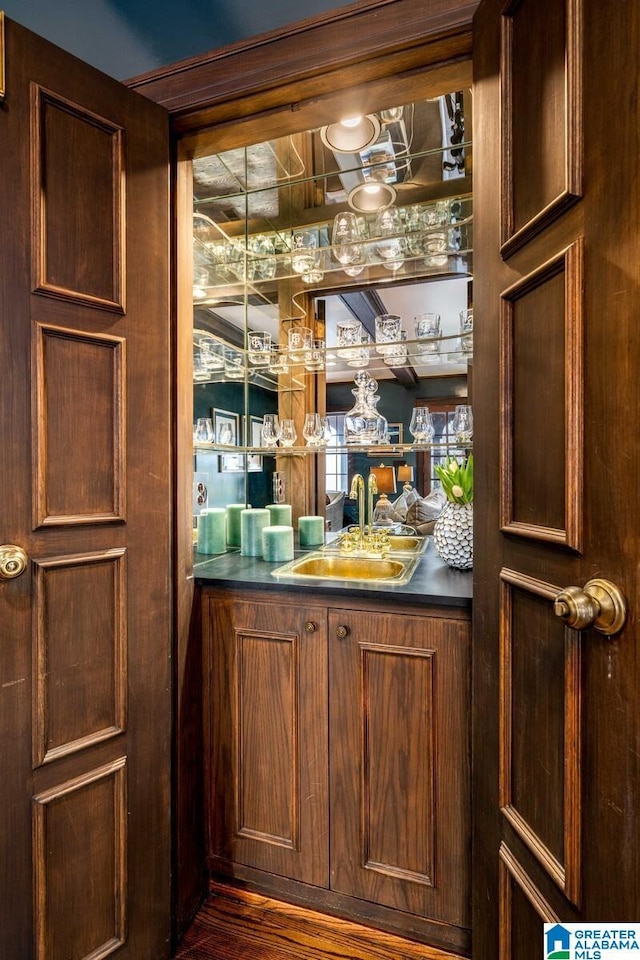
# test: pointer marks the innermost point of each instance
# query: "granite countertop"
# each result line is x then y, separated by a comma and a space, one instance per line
433, 582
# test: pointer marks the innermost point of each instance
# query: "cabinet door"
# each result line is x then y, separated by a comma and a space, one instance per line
267, 781
399, 749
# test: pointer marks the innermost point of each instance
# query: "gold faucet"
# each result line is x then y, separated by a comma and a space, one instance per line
364, 540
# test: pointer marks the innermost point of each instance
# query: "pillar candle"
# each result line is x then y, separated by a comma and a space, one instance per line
280, 514
233, 523
277, 543
311, 531
212, 531
252, 523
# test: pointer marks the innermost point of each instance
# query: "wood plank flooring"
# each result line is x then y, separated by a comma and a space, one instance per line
237, 925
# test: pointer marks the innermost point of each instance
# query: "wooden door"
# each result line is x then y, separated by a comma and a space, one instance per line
84, 433
266, 737
556, 174
399, 766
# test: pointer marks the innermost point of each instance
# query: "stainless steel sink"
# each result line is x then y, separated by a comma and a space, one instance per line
334, 566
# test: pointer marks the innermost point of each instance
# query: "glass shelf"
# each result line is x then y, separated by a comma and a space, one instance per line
377, 450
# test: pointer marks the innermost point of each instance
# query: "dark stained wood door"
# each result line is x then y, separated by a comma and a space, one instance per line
400, 765
266, 763
84, 433
556, 285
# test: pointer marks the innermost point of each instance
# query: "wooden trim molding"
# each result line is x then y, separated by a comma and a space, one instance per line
41, 100
566, 875
335, 50
569, 261
42, 752
44, 806
510, 871
513, 239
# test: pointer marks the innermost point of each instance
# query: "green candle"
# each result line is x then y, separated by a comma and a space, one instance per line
234, 511
252, 523
311, 531
277, 543
212, 531
280, 514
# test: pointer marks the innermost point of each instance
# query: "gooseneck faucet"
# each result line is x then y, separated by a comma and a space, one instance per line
357, 492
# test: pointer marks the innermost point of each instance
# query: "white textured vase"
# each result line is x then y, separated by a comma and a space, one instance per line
453, 535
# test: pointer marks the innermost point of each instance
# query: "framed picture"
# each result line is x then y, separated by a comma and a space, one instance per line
232, 463
254, 460
225, 427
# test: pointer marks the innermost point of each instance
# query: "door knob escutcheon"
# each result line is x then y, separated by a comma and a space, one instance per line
599, 604
13, 561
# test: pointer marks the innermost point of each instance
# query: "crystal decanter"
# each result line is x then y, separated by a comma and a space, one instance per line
363, 424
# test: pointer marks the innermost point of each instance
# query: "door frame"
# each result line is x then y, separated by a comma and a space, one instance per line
267, 85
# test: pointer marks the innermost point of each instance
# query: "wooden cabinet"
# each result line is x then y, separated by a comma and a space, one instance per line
338, 755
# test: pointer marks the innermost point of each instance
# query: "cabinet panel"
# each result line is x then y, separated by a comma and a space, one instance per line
267, 781
400, 762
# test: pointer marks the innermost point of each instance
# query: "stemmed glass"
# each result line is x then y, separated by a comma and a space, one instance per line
270, 430
313, 429
346, 249
204, 430
288, 434
421, 427
462, 424
389, 245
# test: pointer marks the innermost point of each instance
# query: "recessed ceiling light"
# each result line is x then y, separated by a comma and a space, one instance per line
350, 139
364, 199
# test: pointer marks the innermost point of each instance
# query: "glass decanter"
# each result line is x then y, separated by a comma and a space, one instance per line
363, 424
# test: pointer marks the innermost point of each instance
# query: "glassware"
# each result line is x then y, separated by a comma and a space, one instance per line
304, 254
299, 341
204, 430
311, 429
348, 336
344, 237
315, 357
363, 424
387, 229
210, 354
261, 260
466, 329
259, 348
278, 360
396, 356
288, 433
462, 424
360, 356
435, 248
388, 328
233, 364
270, 430
421, 427
427, 327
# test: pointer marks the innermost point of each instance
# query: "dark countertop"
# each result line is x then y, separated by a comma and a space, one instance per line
433, 582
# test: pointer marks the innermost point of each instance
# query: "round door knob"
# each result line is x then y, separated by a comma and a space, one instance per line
310, 626
599, 604
342, 632
13, 561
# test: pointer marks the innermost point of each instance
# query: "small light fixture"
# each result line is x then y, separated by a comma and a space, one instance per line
371, 197
405, 476
386, 482
351, 134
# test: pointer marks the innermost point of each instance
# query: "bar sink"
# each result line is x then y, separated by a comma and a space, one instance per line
334, 566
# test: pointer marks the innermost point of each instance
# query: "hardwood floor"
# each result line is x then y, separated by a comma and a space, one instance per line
236, 925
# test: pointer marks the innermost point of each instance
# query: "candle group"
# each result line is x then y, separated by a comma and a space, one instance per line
212, 531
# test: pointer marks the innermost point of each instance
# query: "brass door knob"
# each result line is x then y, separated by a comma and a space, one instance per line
342, 632
600, 604
310, 626
13, 561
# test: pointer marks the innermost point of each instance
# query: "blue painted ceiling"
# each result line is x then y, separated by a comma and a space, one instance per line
127, 37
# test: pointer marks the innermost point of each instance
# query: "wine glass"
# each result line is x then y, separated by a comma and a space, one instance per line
270, 430
389, 245
421, 427
204, 430
311, 429
288, 434
462, 424
344, 237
